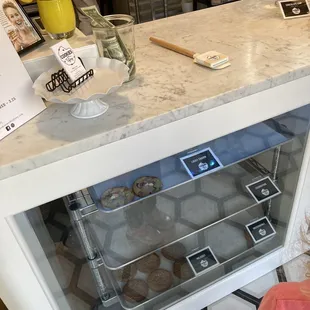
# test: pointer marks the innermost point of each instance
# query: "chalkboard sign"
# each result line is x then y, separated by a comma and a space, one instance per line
201, 163
202, 260
263, 189
294, 9
260, 230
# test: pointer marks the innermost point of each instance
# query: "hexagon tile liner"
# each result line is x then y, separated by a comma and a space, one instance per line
75, 278
192, 206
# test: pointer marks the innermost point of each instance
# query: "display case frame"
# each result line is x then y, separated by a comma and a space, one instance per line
42, 185
82, 206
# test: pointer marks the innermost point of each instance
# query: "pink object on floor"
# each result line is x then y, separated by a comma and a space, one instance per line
288, 296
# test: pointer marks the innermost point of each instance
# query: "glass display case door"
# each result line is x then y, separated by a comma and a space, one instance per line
153, 237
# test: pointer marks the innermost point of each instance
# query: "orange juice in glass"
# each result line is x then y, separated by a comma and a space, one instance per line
58, 18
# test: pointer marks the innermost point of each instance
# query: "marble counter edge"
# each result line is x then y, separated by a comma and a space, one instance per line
99, 140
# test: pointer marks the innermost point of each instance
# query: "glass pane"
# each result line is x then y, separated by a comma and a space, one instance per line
92, 249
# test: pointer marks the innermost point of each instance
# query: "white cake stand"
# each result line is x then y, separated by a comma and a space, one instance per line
88, 98
89, 109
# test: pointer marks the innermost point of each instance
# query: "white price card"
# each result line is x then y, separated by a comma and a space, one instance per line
18, 103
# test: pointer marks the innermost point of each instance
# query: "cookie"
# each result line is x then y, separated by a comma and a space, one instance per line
148, 263
116, 197
182, 270
174, 251
159, 280
135, 290
146, 186
126, 273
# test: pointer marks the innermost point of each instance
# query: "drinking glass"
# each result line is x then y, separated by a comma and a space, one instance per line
119, 42
58, 18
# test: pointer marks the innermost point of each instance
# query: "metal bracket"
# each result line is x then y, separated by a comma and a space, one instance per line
80, 205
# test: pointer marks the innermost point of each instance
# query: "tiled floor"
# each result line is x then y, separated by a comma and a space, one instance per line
250, 296
81, 293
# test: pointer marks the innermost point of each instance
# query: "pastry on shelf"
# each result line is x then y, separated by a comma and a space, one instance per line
182, 270
126, 273
135, 290
148, 263
116, 197
174, 252
159, 280
145, 186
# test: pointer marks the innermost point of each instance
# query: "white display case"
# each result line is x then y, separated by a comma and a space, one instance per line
60, 248
249, 180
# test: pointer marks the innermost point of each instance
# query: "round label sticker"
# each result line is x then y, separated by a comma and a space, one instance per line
296, 11
204, 263
265, 191
262, 232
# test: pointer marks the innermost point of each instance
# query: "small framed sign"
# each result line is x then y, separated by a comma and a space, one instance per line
260, 230
20, 29
201, 163
294, 9
263, 190
202, 260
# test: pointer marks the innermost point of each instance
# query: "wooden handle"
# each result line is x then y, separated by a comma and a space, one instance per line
173, 47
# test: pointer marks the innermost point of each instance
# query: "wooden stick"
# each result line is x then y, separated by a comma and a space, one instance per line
173, 47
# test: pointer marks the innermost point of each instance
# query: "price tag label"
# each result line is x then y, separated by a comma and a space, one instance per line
201, 163
260, 230
294, 9
202, 260
263, 190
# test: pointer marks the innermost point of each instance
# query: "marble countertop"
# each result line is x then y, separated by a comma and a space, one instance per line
264, 49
